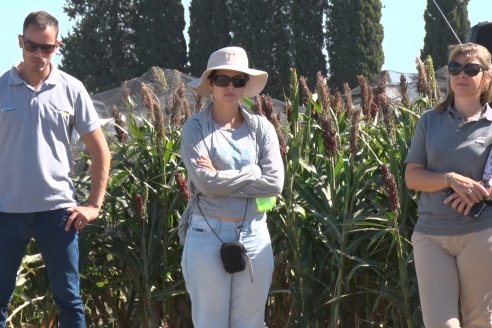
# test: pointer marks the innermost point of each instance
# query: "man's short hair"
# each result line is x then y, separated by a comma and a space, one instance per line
40, 20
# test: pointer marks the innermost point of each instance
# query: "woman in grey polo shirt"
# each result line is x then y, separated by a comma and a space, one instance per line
453, 247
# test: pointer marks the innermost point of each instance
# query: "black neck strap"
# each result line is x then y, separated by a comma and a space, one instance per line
215, 233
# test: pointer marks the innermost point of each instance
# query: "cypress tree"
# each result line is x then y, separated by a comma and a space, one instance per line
100, 49
264, 29
283, 49
113, 41
208, 31
309, 38
250, 23
438, 35
159, 34
354, 40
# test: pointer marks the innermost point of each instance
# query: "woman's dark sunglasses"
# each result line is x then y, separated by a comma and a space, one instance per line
223, 80
30, 46
470, 69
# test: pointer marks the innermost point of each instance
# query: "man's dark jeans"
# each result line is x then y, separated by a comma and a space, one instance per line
60, 252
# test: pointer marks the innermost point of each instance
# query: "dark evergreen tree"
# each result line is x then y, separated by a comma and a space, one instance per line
208, 31
159, 34
100, 49
283, 49
354, 40
309, 38
113, 41
250, 22
264, 29
438, 35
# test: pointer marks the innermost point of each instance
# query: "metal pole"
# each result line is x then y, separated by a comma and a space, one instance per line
455, 35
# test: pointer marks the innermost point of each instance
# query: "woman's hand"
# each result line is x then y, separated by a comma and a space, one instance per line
458, 204
467, 192
206, 164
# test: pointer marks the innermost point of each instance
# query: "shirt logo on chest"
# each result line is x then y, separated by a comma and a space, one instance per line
480, 140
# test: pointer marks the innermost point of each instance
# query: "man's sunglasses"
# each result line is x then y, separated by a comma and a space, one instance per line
46, 49
470, 69
223, 80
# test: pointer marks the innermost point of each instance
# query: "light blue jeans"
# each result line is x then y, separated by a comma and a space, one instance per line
220, 299
60, 252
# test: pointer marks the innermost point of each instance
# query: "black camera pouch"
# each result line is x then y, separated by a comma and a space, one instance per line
233, 256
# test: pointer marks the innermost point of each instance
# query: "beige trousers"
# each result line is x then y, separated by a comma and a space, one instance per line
454, 275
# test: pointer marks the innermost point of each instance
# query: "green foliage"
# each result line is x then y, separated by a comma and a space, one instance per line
278, 35
309, 38
114, 41
438, 35
208, 31
136, 229
354, 40
343, 255
159, 34
33, 303
131, 256
264, 30
99, 50
340, 230
282, 48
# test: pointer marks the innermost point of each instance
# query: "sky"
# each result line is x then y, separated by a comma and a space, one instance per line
402, 20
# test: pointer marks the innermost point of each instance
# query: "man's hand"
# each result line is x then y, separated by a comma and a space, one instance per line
81, 216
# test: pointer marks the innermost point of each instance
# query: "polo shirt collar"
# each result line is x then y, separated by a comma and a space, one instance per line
15, 79
54, 75
486, 112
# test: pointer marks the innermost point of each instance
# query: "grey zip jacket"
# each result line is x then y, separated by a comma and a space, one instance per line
224, 193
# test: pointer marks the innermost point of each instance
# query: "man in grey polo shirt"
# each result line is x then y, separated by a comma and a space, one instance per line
39, 108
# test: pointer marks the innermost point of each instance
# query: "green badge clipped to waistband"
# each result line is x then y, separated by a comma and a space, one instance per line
265, 204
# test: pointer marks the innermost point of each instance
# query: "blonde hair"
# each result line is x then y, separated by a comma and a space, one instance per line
470, 51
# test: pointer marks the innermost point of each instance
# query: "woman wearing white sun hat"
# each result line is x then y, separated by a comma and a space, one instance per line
232, 157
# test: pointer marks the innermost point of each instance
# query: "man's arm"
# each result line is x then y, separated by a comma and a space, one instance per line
100, 155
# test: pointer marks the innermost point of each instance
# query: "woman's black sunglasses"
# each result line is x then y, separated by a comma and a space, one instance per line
224, 80
470, 69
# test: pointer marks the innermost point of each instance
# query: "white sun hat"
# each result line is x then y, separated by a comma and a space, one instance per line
234, 59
